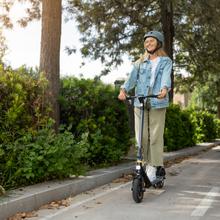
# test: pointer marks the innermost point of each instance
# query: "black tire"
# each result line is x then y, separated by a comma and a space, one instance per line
138, 190
160, 174
160, 185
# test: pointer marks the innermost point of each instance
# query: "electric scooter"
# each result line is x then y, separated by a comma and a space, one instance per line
140, 179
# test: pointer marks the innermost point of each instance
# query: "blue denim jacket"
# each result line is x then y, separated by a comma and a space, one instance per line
140, 79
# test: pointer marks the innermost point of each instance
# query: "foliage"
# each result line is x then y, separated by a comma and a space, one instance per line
97, 134
198, 46
50, 40
32, 11
205, 124
202, 98
111, 28
94, 112
30, 150
37, 157
217, 122
22, 104
3, 46
184, 128
179, 129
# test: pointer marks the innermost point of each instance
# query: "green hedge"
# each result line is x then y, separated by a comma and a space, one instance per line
36, 158
179, 129
92, 110
184, 128
217, 122
96, 128
22, 105
205, 126
30, 151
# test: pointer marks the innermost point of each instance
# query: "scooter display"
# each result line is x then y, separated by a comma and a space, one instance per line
140, 179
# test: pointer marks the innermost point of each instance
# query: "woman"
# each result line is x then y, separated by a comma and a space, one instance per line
151, 74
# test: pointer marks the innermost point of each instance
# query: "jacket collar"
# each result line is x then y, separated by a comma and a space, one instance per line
146, 59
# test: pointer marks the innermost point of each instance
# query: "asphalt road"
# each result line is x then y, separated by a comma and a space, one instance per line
191, 191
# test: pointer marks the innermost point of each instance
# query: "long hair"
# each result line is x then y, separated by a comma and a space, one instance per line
160, 53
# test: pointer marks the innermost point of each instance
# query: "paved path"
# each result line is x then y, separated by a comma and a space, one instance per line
191, 191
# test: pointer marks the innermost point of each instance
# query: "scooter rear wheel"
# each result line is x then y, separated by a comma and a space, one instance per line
159, 185
138, 189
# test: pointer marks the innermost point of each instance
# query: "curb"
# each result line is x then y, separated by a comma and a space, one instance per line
33, 197
190, 151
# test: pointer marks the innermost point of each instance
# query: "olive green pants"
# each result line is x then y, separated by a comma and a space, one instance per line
152, 154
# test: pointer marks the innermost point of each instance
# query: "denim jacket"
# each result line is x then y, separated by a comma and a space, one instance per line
140, 79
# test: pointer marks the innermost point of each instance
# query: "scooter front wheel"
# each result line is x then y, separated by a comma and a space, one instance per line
138, 189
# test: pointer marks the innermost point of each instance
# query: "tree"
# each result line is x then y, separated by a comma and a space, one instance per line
50, 51
50, 42
168, 30
112, 28
32, 11
199, 45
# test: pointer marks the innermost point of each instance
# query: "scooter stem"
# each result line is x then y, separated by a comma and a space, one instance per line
141, 128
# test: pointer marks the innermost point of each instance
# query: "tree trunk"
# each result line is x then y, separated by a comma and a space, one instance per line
50, 52
168, 30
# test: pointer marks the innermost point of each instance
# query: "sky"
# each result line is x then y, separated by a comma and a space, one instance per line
24, 49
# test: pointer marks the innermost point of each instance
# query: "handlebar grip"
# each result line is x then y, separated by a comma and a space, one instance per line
152, 96
148, 96
129, 98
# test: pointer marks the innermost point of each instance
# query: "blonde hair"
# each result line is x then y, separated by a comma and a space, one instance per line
160, 53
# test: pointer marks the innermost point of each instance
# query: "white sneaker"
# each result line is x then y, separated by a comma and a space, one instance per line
151, 172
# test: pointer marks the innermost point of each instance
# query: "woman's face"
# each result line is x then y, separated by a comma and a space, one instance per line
150, 44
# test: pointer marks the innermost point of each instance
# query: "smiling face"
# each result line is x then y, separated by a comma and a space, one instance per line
150, 44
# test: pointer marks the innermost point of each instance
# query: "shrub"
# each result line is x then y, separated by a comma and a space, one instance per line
97, 134
206, 128
36, 158
92, 109
30, 151
217, 122
179, 129
22, 105
184, 128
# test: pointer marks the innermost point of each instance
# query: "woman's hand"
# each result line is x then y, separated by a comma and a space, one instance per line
122, 95
162, 93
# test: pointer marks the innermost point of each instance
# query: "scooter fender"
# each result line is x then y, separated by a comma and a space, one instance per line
146, 179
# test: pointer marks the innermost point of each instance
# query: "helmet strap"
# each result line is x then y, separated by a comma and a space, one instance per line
151, 52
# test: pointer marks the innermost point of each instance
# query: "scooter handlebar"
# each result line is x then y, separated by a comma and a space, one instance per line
142, 97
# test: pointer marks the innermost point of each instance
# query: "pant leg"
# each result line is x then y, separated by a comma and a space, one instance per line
153, 152
137, 117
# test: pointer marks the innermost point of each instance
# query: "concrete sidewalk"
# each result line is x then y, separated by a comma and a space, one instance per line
32, 197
